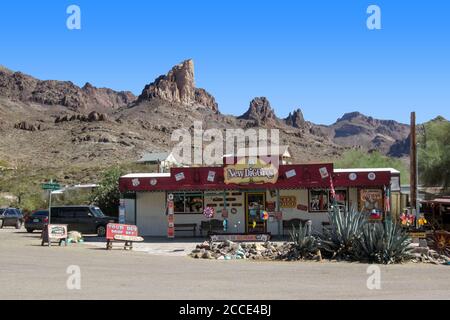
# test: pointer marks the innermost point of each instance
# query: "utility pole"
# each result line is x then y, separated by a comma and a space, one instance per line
413, 166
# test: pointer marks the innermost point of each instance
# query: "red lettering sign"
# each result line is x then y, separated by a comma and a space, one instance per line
113, 229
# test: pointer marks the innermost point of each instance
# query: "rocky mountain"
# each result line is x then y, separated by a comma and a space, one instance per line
17, 86
360, 131
295, 119
260, 113
178, 86
64, 128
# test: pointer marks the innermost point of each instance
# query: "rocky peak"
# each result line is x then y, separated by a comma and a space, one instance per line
295, 119
21, 87
260, 111
178, 86
351, 116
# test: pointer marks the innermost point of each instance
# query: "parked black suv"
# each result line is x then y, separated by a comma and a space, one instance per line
11, 217
85, 219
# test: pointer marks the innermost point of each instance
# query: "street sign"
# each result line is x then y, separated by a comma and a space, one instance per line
51, 186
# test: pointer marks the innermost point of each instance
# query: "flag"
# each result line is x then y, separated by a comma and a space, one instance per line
333, 192
387, 200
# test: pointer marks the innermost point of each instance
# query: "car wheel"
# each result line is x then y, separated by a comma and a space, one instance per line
18, 224
30, 230
101, 231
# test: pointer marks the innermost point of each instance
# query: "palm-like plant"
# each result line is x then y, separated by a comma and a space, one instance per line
304, 245
346, 228
383, 242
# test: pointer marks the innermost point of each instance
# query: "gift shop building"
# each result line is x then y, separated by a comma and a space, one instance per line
254, 199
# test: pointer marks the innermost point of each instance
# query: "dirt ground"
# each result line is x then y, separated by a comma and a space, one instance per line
162, 271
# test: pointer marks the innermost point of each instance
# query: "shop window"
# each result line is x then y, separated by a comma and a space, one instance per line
188, 202
319, 200
341, 198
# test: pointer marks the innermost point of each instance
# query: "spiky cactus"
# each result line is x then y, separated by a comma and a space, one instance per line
383, 242
304, 245
346, 229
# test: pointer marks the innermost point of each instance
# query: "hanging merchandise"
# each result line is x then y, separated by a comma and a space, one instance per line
254, 224
224, 213
225, 225
253, 212
264, 215
209, 212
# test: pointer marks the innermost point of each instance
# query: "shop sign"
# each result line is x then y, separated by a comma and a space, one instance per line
371, 200
224, 213
302, 207
419, 235
170, 218
211, 176
251, 173
270, 206
324, 172
118, 229
372, 176
288, 202
291, 173
57, 231
180, 176
263, 237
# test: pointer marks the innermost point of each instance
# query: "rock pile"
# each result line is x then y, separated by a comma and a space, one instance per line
27, 126
229, 250
427, 255
91, 117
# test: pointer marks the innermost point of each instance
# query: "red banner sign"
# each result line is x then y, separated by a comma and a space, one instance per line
114, 229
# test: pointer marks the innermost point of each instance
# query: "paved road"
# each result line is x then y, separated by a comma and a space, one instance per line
29, 271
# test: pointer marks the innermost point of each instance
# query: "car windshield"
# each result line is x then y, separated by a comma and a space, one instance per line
40, 213
1, 211
97, 212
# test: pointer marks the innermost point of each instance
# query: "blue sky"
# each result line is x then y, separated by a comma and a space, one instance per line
315, 55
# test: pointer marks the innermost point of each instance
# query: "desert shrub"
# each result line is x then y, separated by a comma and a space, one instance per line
304, 245
382, 242
346, 228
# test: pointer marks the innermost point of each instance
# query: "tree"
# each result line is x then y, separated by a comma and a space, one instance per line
360, 159
434, 153
107, 194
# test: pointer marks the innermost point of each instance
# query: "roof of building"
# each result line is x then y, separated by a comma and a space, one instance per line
282, 151
356, 170
154, 157
147, 175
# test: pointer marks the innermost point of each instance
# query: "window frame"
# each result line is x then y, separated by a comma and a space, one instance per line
327, 197
188, 193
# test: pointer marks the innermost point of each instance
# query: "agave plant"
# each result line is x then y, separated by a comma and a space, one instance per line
383, 242
304, 245
346, 228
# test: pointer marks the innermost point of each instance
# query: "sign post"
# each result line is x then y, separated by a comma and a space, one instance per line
50, 186
122, 211
170, 218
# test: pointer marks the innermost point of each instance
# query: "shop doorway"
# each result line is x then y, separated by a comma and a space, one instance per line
255, 202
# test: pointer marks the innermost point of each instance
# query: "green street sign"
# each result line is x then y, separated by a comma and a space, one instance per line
51, 186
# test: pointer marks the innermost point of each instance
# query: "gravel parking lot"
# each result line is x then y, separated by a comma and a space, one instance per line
29, 271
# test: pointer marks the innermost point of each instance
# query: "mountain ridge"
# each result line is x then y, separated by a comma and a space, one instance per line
56, 123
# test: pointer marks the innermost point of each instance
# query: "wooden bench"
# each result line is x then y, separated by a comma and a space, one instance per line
289, 224
211, 226
127, 239
186, 227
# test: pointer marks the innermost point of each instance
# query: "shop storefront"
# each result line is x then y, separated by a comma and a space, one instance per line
252, 199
